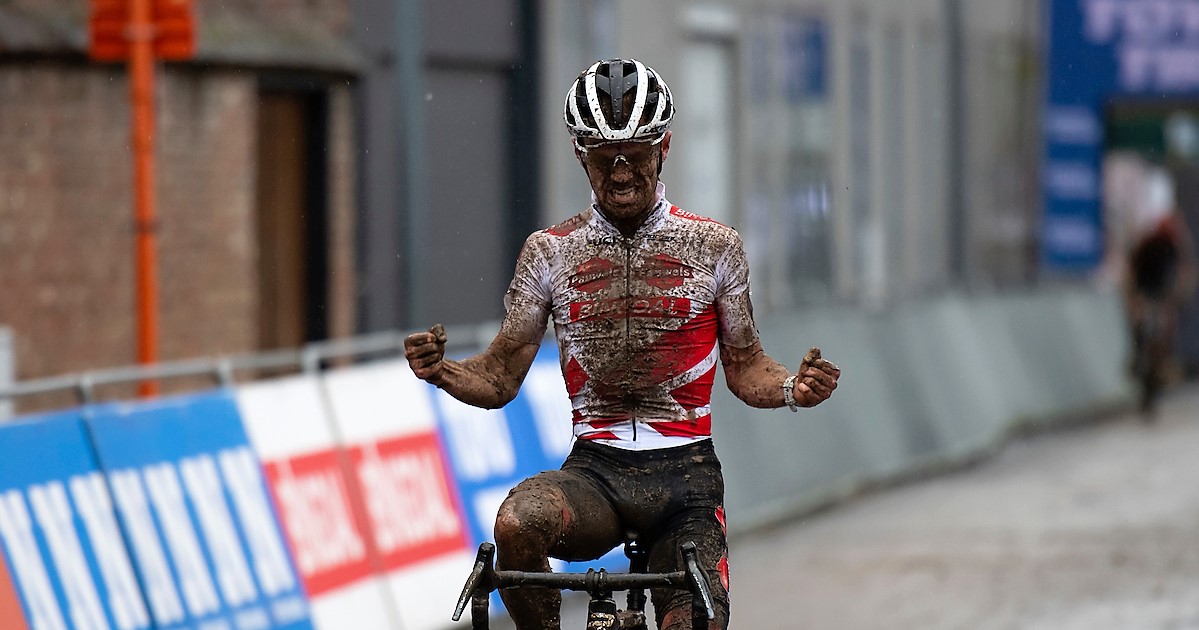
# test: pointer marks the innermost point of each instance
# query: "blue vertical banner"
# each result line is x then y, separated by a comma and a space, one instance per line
1099, 51
200, 526
61, 545
805, 58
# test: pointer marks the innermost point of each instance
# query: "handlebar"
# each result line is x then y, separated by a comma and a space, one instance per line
484, 579
592, 581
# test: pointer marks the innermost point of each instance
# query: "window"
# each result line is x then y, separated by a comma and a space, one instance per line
787, 222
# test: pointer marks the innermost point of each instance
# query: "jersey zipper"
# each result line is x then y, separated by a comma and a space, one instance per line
628, 320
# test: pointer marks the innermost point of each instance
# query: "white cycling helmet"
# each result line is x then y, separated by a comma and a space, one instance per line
596, 107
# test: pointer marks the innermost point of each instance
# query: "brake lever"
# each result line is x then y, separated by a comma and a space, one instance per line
481, 570
698, 581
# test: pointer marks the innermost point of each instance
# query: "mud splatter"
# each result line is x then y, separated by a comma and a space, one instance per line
643, 332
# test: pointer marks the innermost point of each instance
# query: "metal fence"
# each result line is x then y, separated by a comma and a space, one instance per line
225, 371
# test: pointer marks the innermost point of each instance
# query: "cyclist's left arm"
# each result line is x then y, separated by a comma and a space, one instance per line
751, 374
1188, 263
757, 379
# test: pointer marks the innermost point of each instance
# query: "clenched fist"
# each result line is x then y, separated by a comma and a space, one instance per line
817, 379
425, 352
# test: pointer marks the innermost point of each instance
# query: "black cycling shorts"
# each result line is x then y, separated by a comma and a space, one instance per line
666, 496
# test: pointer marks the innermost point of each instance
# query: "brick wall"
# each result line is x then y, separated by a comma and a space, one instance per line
66, 243
66, 238
207, 246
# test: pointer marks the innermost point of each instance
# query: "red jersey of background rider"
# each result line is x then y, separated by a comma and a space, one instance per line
638, 320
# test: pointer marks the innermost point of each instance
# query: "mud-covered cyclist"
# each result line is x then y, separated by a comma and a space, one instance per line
645, 298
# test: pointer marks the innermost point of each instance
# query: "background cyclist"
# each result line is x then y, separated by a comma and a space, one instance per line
1161, 271
645, 297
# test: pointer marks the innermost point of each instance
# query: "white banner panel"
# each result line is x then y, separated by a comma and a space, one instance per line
319, 504
386, 416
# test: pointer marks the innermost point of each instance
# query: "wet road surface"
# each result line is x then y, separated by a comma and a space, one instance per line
1088, 528
1091, 528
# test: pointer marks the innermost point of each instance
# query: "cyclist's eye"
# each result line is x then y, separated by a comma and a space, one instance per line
605, 155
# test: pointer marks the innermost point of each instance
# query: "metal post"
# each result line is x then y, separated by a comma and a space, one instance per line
410, 94
141, 82
955, 141
7, 373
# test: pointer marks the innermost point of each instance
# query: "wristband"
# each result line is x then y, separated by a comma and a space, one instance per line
789, 392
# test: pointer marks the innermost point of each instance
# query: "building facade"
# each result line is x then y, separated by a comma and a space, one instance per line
867, 151
344, 166
256, 186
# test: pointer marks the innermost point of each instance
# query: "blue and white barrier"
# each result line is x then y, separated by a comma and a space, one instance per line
351, 499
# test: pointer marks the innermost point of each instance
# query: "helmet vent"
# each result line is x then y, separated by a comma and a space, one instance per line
618, 99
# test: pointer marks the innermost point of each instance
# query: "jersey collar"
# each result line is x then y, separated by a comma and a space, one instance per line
652, 222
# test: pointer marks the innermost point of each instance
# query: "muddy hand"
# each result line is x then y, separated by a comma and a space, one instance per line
817, 379
425, 352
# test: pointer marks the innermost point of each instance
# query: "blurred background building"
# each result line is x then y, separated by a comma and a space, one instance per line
335, 167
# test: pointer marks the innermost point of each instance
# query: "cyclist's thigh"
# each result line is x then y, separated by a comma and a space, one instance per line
705, 527
578, 513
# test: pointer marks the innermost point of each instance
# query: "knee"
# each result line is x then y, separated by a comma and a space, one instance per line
680, 619
531, 519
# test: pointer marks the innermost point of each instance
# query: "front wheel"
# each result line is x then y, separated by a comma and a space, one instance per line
1149, 363
1150, 386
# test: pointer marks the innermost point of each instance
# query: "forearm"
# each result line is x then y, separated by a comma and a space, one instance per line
481, 381
490, 379
758, 380
754, 377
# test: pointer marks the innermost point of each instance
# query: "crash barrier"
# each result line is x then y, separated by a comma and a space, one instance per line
926, 386
352, 497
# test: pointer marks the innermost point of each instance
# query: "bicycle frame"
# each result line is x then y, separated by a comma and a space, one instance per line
484, 579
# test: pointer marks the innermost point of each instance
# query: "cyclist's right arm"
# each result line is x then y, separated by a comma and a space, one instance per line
492, 378
489, 379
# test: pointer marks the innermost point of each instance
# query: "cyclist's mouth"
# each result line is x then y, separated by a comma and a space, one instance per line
624, 194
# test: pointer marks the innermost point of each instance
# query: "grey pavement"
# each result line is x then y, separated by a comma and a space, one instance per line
1092, 528
1095, 528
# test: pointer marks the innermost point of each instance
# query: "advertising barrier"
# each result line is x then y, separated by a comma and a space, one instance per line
355, 498
386, 419
10, 604
194, 506
64, 552
319, 500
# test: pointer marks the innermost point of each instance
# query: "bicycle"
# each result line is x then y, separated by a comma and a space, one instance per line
1151, 352
602, 612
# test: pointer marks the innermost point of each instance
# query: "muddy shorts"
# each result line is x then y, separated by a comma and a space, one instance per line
666, 496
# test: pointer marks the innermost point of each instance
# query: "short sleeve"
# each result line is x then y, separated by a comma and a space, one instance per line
528, 299
733, 305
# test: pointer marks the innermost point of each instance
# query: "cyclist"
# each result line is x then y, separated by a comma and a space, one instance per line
1161, 276
645, 298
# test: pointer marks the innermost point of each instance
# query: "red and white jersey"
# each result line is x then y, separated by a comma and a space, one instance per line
638, 320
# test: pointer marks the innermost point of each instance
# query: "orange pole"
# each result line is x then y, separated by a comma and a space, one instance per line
141, 81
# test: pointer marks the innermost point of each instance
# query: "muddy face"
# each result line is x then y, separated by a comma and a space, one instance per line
624, 177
